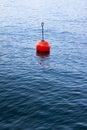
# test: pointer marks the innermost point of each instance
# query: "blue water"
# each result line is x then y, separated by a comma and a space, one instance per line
43, 92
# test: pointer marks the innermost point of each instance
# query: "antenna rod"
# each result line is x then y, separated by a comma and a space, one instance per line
42, 24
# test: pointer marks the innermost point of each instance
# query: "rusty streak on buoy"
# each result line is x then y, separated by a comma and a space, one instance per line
43, 46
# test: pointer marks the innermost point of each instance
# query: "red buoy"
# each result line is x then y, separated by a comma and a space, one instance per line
43, 46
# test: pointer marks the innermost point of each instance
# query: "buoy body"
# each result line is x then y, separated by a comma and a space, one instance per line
43, 46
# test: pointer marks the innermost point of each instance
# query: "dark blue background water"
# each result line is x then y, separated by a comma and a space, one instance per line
43, 93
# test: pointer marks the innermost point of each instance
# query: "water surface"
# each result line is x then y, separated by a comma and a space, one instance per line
43, 92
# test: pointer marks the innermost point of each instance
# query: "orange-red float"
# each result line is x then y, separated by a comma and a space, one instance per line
43, 46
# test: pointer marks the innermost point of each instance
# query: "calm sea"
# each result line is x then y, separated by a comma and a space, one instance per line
43, 92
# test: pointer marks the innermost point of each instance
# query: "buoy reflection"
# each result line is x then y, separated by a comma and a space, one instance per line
43, 58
